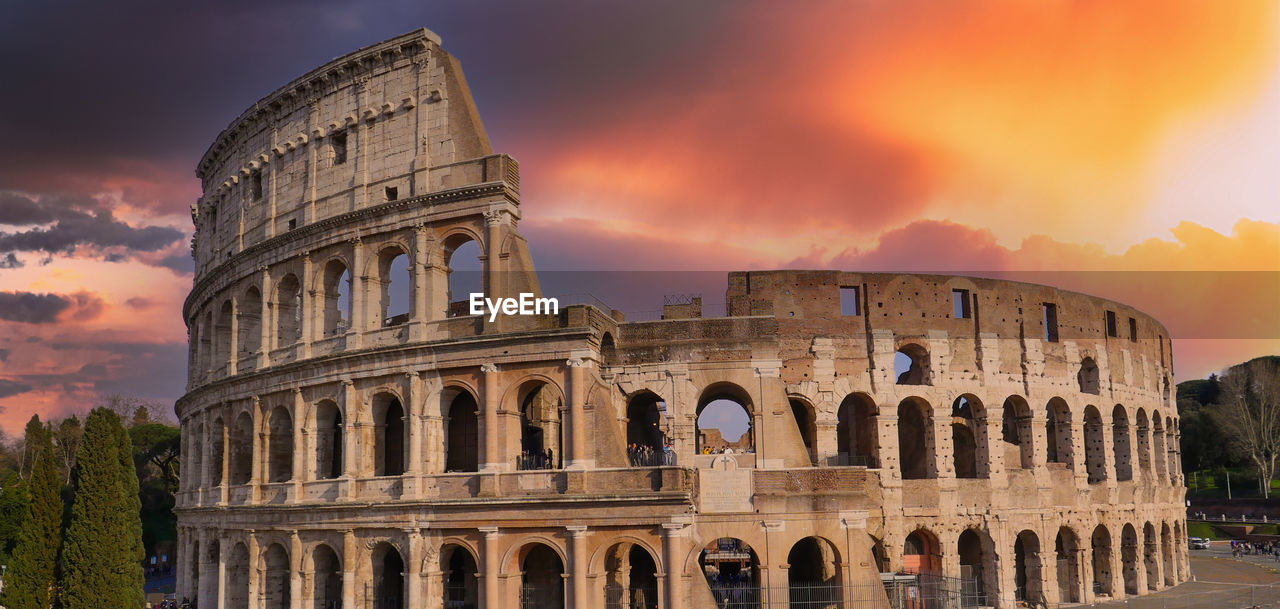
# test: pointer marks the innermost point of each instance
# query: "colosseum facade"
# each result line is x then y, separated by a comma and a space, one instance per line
341, 452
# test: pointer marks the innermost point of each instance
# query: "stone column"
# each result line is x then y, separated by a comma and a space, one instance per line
490, 456
578, 459
493, 287
357, 293
204, 594
413, 574
295, 571
206, 455
300, 449
674, 537
490, 594
255, 574
224, 488
413, 427
350, 411
578, 569
306, 294
258, 460
233, 341
223, 542
419, 289
349, 568
266, 321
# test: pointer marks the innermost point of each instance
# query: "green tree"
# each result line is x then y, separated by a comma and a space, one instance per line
157, 444
13, 512
102, 552
30, 578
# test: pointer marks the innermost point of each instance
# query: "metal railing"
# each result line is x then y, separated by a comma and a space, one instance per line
905, 591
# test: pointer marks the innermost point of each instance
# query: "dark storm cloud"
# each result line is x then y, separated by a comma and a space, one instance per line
28, 307
74, 224
179, 263
10, 261
4, 355
11, 388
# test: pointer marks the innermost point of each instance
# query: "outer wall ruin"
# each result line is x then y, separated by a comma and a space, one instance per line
344, 445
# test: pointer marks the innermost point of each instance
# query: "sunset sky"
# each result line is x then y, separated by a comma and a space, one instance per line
1126, 149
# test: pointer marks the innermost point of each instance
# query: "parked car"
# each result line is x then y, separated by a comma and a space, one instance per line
1199, 543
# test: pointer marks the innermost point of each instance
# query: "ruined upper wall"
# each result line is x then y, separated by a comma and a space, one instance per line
390, 121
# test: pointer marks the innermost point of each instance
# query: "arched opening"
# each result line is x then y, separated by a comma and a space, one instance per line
646, 438
237, 587
249, 322
275, 586
327, 579
1166, 553
196, 449
460, 573
1120, 443
732, 571
1087, 377
631, 577
193, 569
222, 337
1028, 578
1095, 450
1019, 449
393, 286
541, 578
1067, 551
288, 311
1157, 437
217, 446
212, 557
911, 365
856, 431
541, 436
388, 577
973, 572
462, 444
813, 575
1129, 559
1057, 426
608, 351
724, 421
336, 295
462, 256
915, 440
1171, 448
205, 353
1150, 555
242, 449
968, 441
279, 445
806, 422
388, 436
921, 553
328, 441
1144, 441
880, 555
1100, 546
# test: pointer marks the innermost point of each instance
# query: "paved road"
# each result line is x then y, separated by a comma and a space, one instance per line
1221, 582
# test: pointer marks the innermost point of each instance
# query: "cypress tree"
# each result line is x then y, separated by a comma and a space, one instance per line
30, 578
102, 550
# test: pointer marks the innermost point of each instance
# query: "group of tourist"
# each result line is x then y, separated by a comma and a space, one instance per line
536, 459
170, 603
1246, 548
643, 455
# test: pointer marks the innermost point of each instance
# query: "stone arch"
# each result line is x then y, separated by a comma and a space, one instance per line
461, 429
1060, 444
732, 570
540, 402
1171, 449
389, 429
460, 571
393, 279
249, 322
630, 574
242, 434
541, 567
1129, 558
205, 351
1087, 378
195, 448
1100, 550
387, 584
329, 431
1120, 443
1144, 441
857, 440
326, 568
806, 419
1158, 446
1028, 568
1150, 555
911, 365
1066, 548
1095, 453
276, 578
736, 404
977, 566
608, 350
645, 423
237, 587
921, 552
879, 553
916, 456
335, 297
212, 555
217, 448
464, 261
288, 310
1016, 431
222, 354
813, 573
279, 445
970, 455
1167, 556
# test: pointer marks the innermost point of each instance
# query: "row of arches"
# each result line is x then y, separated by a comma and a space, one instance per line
250, 321
911, 366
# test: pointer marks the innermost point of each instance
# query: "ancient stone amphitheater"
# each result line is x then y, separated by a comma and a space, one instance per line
354, 438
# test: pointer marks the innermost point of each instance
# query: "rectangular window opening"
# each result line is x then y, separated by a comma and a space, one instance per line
255, 184
1050, 311
1111, 324
960, 304
1133, 330
293, 223
392, 193
849, 303
338, 143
